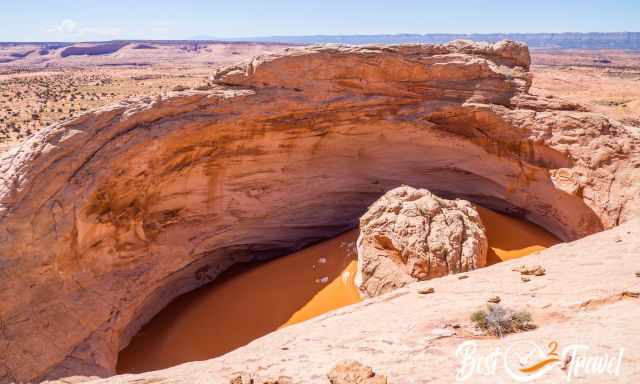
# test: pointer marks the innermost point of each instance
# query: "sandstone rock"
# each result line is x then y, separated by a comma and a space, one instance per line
353, 372
394, 332
77, 380
438, 333
107, 217
242, 378
246, 378
279, 380
410, 235
535, 270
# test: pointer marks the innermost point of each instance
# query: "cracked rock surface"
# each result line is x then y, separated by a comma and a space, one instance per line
411, 235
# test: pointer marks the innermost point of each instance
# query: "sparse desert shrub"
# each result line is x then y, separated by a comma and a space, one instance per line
499, 321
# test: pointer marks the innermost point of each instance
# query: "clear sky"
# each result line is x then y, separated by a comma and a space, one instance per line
86, 20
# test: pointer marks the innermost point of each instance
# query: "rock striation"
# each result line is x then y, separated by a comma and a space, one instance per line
107, 217
412, 235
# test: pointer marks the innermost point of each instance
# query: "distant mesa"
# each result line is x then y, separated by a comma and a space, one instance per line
568, 40
20, 55
144, 46
92, 50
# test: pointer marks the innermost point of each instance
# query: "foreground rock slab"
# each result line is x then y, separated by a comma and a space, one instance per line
107, 217
402, 334
410, 234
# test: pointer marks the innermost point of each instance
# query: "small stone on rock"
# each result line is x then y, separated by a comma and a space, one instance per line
353, 372
241, 378
536, 270
426, 291
279, 380
443, 332
494, 299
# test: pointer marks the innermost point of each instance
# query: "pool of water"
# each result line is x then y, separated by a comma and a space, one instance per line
253, 299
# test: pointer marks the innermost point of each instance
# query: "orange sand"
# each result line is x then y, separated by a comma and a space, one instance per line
251, 300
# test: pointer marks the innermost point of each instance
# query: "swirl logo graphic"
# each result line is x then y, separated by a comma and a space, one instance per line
525, 361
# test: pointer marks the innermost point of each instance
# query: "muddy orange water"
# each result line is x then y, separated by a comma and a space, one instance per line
251, 300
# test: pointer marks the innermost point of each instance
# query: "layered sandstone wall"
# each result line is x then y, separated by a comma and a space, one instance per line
106, 218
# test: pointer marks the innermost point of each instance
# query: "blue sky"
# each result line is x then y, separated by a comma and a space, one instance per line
85, 20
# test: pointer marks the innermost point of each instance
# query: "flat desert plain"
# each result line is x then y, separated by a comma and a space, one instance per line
606, 81
39, 87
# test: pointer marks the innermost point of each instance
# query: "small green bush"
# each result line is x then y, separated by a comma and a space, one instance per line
498, 321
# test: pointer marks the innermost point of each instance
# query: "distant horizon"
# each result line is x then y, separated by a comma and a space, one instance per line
262, 38
96, 20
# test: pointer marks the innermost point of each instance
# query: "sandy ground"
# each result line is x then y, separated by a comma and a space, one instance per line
32, 101
40, 90
604, 81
